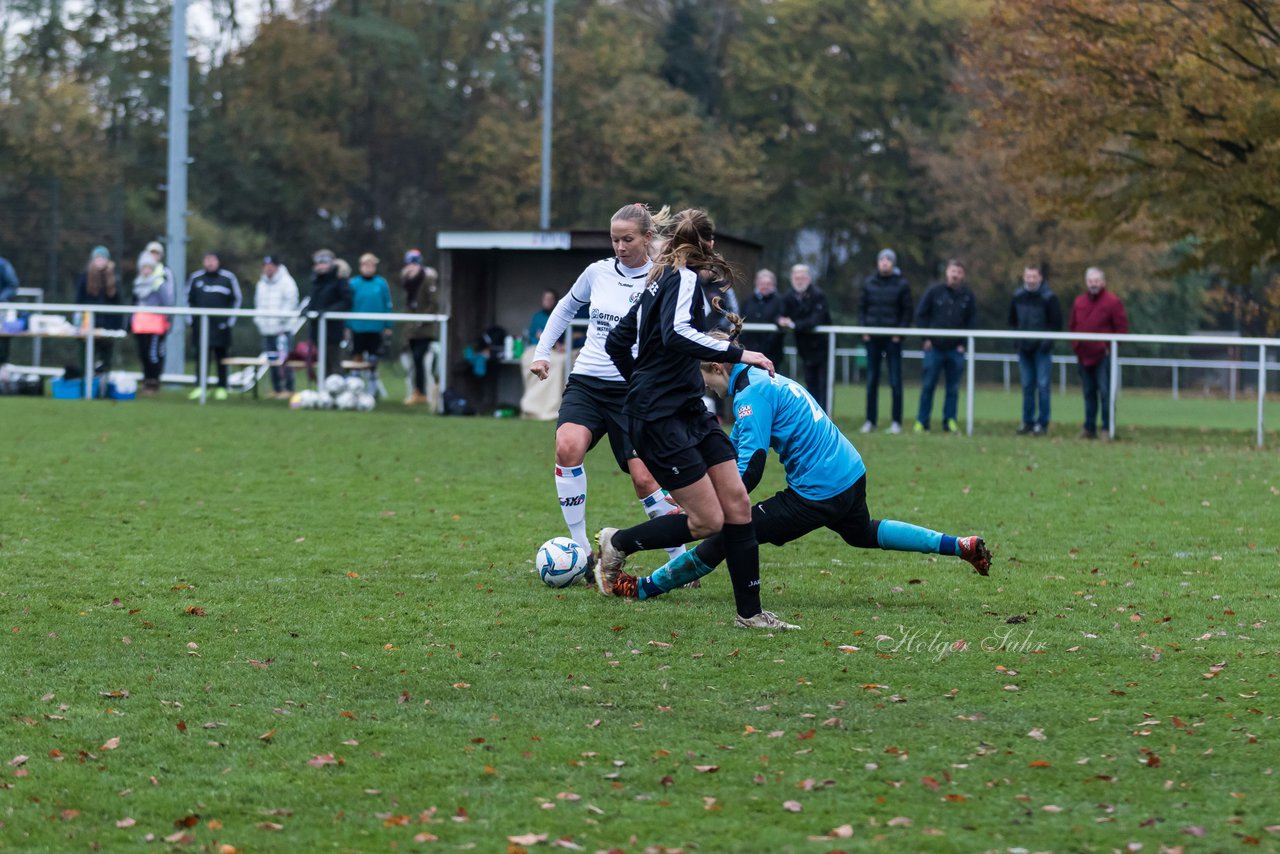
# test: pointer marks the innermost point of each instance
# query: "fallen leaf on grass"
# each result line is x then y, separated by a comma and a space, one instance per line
269, 825
426, 837
194, 611
1039, 763
18, 761
321, 761
114, 695
792, 806
111, 743
900, 821
126, 822
706, 769
527, 839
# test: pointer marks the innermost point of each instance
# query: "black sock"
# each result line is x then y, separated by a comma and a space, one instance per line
711, 550
742, 555
660, 533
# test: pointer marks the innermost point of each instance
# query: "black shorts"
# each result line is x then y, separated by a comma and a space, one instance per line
680, 448
597, 405
788, 516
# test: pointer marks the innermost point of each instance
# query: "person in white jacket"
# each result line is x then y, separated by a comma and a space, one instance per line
277, 291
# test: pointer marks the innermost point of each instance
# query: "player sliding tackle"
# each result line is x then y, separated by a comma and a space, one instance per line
826, 485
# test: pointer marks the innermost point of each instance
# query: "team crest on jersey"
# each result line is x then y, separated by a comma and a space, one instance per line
744, 410
634, 298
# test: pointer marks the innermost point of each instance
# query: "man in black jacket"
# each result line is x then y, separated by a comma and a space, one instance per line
1035, 308
764, 306
213, 287
949, 304
802, 310
885, 301
329, 292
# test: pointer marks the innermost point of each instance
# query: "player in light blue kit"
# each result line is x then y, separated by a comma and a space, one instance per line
826, 483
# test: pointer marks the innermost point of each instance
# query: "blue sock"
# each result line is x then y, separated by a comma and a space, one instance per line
676, 572
904, 537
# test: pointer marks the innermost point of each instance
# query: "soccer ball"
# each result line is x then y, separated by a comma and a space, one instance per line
561, 561
346, 400
307, 398
324, 400
335, 384
365, 402
355, 385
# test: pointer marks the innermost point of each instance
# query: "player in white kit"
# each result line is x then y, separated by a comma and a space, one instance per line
596, 392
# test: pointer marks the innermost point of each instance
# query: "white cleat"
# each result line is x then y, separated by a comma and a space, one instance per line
867, 427
895, 428
763, 620
610, 563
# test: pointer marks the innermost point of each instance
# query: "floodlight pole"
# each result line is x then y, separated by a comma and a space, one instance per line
176, 182
548, 72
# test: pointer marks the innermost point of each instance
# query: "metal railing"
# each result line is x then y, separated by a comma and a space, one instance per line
202, 316
972, 336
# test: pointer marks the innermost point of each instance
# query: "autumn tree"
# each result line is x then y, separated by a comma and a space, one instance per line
1161, 112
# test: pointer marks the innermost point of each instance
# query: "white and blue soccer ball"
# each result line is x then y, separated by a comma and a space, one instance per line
561, 562
365, 402
324, 400
355, 384
345, 401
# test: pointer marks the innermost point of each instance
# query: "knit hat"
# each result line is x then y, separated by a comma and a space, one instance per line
100, 252
154, 246
888, 253
271, 259
413, 256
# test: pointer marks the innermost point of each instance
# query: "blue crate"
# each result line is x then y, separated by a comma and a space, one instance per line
74, 389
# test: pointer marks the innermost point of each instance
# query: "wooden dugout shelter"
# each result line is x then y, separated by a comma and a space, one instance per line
496, 278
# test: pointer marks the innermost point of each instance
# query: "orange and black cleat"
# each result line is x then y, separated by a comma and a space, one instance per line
975, 551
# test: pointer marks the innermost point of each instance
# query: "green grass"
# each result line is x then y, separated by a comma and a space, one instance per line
366, 592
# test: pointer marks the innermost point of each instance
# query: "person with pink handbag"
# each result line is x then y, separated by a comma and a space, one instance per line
152, 287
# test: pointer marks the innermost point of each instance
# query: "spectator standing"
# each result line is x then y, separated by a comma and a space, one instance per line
764, 306
152, 287
1035, 308
213, 287
802, 310
155, 254
277, 291
371, 294
8, 290
97, 285
538, 322
885, 301
949, 304
330, 291
1096, 310
421, 286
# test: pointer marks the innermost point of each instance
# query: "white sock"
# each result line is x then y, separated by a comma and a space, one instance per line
571, 486
659, 504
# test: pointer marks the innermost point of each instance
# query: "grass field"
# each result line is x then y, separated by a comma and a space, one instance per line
278, 631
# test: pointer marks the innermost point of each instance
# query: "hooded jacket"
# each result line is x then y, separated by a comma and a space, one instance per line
276, 293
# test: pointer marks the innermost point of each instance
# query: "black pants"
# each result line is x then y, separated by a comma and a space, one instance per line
892, 351
367, 344
418, 348
815, 379
151, 350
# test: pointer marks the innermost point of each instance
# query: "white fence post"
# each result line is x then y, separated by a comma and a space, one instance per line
1262, 387
1113, 387
971, 357
203, 344
88, 356
830, 390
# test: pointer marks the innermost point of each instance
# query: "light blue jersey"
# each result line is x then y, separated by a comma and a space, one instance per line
778, 413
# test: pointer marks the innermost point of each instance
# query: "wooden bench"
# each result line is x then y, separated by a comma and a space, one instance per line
259, 362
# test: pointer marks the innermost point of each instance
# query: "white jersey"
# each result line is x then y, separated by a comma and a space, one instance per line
610, 289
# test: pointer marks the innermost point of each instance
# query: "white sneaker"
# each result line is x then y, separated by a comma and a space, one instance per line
763, 620
895, 428
867, 427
